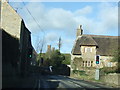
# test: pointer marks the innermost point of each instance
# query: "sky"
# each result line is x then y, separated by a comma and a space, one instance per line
47, 21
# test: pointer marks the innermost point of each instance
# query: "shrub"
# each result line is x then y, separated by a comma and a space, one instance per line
80, 72
75, 71
107, 70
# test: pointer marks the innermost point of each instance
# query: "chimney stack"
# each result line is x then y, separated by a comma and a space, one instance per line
53, 49
79, 31
5, 1
48, 48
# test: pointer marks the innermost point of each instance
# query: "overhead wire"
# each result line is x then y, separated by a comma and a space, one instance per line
37, 24
34, 18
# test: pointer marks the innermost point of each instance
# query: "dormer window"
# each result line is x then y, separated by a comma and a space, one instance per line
88, 49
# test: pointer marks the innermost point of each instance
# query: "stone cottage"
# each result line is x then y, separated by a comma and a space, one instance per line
87, 47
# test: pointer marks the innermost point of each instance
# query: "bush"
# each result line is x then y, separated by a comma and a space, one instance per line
80, 72
75, 71
107, 70
67, 59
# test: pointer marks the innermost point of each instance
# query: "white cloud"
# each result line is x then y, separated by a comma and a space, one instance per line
59, 18
83, 11
65, 21
51, 37
109, 15
53, 18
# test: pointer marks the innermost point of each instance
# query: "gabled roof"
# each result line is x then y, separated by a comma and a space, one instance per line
106, 44
76, 47
88, 40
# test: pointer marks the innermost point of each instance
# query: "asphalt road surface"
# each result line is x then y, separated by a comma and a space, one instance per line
54, 82
51, 82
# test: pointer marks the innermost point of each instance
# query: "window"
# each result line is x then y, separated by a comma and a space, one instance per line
88, 49
87, 63
91, 63
83, 63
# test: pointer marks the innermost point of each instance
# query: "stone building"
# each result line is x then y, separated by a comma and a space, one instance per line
87, 47
10, 20
34, 57
48, 48
16, 41
11, 27
25, 46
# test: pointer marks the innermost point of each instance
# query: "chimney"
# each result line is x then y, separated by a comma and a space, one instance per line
48, 48
53, 49
79, 31
5, 1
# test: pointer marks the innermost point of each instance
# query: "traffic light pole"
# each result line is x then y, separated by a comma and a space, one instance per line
97, 70
97, 74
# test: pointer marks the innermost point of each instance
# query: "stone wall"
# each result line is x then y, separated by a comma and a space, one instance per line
111, 79
84, 73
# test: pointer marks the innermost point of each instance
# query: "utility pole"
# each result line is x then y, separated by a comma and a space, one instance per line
59, 43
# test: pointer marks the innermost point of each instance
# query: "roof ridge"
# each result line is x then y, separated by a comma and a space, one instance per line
87, 39
99, 35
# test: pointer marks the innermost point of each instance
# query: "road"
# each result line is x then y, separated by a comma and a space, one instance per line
54, 82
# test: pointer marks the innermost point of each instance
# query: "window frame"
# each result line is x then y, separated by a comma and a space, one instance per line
88, 49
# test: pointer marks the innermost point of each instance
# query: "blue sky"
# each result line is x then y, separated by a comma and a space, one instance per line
61, 19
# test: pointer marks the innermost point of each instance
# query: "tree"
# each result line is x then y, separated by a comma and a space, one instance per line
67, 59
56, 58
40, 43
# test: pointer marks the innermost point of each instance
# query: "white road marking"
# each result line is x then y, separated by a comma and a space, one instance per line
85, 85
75, 84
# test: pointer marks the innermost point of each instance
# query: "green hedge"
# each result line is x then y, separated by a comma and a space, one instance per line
80, 72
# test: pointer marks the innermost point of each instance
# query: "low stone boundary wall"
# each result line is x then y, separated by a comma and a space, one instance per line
84, 74
112, 78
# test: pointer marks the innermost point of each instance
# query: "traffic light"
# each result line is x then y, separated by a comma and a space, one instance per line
97, 59
30, 52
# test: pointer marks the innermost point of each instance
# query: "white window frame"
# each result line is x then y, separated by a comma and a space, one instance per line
86, 49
